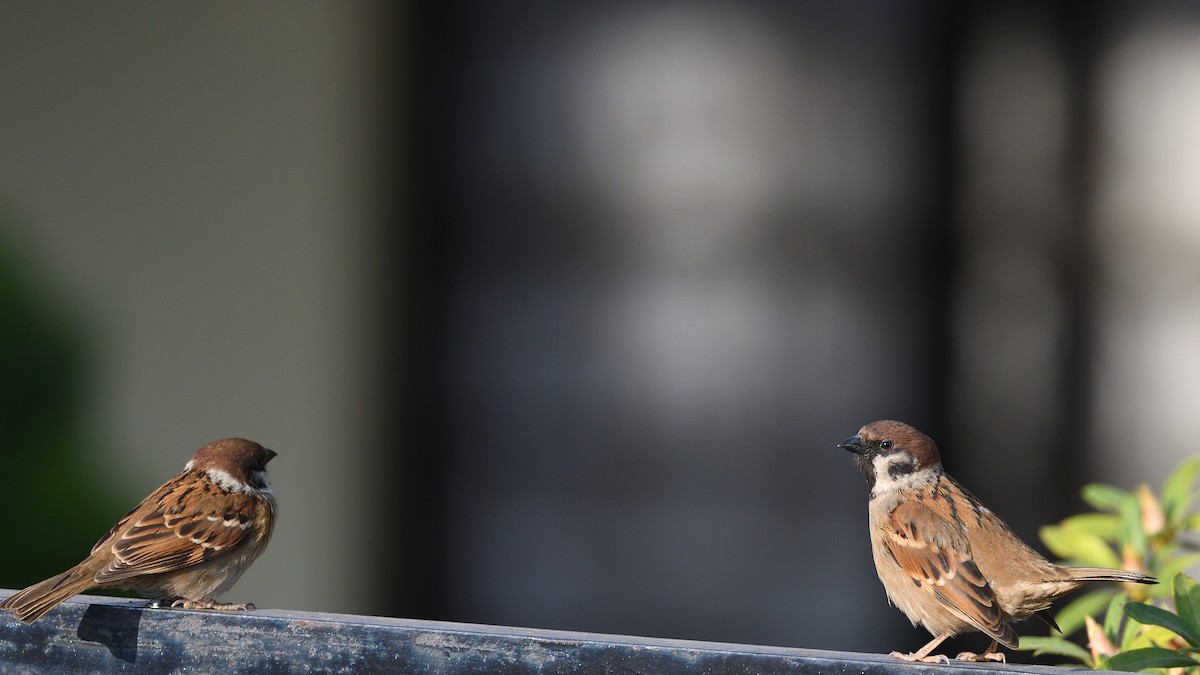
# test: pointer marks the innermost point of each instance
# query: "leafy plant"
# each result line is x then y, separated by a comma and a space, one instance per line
1170, 650
1130, 627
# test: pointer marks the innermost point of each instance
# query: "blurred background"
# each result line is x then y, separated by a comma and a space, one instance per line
555, 312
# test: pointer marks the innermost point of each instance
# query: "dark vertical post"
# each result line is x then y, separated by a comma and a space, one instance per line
1077, 27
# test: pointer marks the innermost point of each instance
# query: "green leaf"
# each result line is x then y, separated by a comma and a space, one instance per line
1132, 632
1055, 645
1104, 525
1081, 547
1114, 615
1070, 617
1131, 524
1187, 603
1106, 497
1177, 490
1149, 636
1158, 616
1150, 657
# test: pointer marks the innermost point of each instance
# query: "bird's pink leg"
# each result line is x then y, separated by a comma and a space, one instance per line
993, 653
922, 654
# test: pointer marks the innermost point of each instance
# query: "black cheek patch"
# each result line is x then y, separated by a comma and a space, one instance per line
901, 468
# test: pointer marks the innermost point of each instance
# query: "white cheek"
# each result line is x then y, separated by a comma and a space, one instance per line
885, 482
882, 479
230, 483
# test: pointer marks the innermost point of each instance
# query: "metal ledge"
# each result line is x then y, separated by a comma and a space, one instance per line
94, 634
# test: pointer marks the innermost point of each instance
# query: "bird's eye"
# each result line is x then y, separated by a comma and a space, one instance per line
885, 445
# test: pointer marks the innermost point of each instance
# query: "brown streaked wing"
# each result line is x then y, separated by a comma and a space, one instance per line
195, 521
156, 497
937, 557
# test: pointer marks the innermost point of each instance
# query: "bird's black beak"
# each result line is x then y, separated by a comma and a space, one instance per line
855, 444
271, 454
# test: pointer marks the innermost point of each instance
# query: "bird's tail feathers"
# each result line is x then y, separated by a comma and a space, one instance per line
1104, 574
30, 604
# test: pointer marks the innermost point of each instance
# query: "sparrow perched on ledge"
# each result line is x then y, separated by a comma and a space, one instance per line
187, 542
945, 560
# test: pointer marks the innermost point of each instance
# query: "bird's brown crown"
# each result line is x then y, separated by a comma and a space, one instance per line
891, 435
238, 457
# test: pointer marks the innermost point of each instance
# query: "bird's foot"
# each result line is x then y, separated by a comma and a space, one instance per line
204, 603
918, 657
997, 657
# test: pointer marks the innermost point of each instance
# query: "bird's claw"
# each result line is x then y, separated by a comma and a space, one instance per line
205, 603
997, 657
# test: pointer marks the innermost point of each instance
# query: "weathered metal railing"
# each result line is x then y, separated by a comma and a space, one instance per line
92, 634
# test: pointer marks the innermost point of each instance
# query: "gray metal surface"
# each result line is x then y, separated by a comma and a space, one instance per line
92, 634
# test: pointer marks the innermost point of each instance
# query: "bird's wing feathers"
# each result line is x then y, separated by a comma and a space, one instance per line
174, 528
937, 557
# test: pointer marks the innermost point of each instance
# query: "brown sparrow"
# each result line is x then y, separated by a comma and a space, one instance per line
187, 542
945, 560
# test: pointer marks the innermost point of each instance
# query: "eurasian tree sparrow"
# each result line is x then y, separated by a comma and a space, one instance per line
186, 543
945, 560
